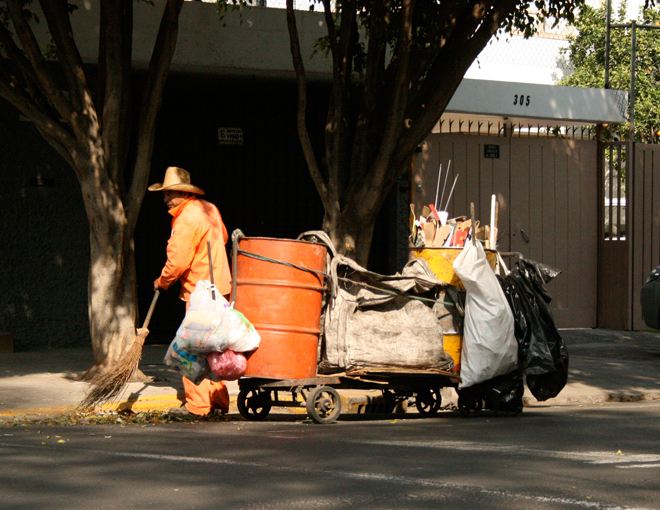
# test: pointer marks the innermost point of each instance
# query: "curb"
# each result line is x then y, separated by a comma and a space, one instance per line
599, 398
37, 411
350, 405
156, 403
153, 403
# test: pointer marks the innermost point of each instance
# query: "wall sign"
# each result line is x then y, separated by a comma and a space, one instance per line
230, 136
491, 151
521, 100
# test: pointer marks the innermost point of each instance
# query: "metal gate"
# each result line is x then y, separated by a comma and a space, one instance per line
547, 191
629, 231
613, 241
644, 225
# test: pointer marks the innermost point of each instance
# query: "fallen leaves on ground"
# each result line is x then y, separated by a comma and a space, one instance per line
114, 418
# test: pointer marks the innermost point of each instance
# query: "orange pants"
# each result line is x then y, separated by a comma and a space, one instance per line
208, 395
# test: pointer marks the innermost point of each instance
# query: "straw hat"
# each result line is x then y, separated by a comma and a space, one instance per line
176, 179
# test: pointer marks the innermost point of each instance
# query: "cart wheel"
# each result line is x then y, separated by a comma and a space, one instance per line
428, 401
469, 405
323, 404
254, 405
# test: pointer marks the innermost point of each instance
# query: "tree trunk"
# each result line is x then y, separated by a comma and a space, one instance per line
351, 231
112, 298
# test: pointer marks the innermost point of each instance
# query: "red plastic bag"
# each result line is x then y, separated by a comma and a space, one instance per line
227, 365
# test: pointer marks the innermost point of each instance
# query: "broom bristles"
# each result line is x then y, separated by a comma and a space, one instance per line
108, 386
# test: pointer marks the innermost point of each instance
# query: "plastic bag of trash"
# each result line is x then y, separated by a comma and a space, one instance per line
502, 394
205, 328
206, 298
242, 336
228, 365
190, 365
489, 345
203, 331
542, 351
212, 325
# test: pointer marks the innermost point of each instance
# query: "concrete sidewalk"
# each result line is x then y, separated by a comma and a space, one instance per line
605, 366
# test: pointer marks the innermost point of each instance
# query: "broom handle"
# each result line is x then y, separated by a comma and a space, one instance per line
208, 247
151, 308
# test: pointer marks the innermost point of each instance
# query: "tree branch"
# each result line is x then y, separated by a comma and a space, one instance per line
159, 67
30, 45
58, 19
301, 112
60, 148
396, 122
471, 36
42, 121
337, 136
21, 71
115, 44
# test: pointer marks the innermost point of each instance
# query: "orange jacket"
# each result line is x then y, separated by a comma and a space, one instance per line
195, 222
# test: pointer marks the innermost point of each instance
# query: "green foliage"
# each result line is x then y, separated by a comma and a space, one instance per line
586, 53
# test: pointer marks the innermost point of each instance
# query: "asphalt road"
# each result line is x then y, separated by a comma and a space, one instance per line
602, 456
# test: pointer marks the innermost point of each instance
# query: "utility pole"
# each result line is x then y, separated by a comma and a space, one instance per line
633, 26
630, 156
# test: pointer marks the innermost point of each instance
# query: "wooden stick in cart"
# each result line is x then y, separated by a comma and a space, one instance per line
494, 233
437, 189
473, 228
450, 193
493, 222
442, 197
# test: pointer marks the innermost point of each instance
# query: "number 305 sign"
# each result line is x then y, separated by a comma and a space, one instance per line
521, 100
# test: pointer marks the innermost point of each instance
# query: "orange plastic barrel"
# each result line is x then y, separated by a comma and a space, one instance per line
283, 303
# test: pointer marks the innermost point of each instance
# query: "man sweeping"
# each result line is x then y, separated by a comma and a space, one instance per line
195, 221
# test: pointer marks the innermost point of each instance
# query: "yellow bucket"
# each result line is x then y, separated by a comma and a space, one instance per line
441, 262
452, 343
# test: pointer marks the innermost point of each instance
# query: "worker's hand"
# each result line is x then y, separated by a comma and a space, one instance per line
156, 287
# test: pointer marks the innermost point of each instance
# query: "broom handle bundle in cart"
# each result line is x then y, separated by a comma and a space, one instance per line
208, 247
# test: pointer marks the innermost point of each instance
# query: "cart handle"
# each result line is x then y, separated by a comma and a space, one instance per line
512, 254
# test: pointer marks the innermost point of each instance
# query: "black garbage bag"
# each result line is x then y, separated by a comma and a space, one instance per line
542, 351
502, 394
533, 351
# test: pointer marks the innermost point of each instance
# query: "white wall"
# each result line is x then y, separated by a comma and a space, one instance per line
536, 60
252, 42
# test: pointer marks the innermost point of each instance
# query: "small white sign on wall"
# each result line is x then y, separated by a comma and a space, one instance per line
230, 136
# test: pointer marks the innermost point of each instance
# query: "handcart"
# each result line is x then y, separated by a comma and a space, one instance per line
278, 285
318, 395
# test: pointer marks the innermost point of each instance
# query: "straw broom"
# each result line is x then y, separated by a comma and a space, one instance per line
109, 385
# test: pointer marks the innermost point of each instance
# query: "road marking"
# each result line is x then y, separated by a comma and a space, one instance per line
638, 466
587, 457
365, 476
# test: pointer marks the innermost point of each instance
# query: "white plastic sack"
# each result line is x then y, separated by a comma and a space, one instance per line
212, 325
489, 345
205, 328
192, 366
242, 337
203, 331
202, 298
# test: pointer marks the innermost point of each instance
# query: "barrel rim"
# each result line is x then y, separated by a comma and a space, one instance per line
421, 248
280, 239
